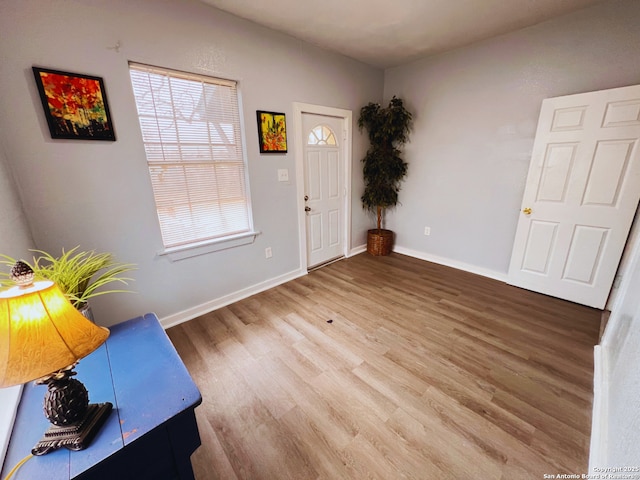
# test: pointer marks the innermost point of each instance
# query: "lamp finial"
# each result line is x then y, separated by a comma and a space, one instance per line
22, 274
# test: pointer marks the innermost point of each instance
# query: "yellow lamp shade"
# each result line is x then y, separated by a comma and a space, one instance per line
41, 333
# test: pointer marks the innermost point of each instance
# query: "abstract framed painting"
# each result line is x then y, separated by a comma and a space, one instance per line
272, 132
75, 105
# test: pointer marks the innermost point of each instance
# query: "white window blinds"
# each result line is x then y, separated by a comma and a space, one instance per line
191, 134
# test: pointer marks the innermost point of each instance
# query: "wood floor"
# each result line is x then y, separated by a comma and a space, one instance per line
392, 368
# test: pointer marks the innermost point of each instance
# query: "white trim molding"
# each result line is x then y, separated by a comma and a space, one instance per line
357, 250
9, 399
447, 262
346, 142
209, 246
204, 308
193, 312
599, 416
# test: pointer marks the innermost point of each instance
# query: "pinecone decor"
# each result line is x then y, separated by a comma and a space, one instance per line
21, 273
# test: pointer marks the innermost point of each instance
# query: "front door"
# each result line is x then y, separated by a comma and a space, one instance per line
581, 195
323, 187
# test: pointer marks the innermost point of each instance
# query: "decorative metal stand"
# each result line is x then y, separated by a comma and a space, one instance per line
74, 420
77, 436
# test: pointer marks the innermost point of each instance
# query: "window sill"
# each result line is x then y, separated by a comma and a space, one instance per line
195, 249
9, 399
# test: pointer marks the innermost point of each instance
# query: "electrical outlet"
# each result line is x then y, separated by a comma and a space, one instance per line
267, 252
427, 231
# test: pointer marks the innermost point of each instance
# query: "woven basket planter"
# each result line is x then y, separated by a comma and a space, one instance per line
379, 242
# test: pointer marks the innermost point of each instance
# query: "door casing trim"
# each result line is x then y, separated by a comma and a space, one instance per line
347, 117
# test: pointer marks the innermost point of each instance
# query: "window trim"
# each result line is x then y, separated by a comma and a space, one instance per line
208, 246
11, 399
202, 247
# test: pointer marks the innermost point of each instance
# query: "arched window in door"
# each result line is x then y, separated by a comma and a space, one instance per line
322, 135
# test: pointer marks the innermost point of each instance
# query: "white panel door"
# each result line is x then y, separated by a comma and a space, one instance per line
324, 188
581, 195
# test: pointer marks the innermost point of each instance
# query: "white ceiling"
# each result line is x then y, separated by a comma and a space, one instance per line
386, 33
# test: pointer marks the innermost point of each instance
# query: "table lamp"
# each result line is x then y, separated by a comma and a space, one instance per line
42, 338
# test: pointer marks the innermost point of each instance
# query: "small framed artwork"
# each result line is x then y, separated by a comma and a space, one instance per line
75, 105
272, 132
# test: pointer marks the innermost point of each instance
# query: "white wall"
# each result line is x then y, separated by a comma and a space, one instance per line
98, 194
618, 423
15, 236
476, 111
15, 241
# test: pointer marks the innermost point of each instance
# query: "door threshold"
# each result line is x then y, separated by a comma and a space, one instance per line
324, 264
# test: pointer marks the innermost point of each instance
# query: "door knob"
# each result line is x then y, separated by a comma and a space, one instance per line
307, 209
526, 211
306, 197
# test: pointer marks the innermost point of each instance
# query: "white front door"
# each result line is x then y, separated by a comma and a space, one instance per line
581, 195
323, 187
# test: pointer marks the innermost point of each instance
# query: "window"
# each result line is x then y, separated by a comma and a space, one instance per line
191, 133
321, 135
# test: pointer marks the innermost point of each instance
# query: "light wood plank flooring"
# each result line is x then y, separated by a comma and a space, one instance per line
392, 368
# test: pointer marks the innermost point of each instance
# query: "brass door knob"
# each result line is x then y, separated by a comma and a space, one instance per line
307, 209
526, 211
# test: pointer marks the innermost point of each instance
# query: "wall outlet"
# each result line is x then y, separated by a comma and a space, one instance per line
427, 231
268, 253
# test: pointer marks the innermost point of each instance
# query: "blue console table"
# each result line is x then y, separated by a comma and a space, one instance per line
151, 432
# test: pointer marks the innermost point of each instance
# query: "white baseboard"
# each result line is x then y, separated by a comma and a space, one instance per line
357, 250
485, 272
599, 417
193, 312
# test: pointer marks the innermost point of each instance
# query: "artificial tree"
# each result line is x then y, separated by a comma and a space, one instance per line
383, 167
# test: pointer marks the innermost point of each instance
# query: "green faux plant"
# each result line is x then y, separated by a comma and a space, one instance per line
79, 274
383, 167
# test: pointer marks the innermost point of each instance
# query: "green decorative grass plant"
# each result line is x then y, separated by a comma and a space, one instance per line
80, 275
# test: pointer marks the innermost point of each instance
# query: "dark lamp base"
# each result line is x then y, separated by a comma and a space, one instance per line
76, 436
